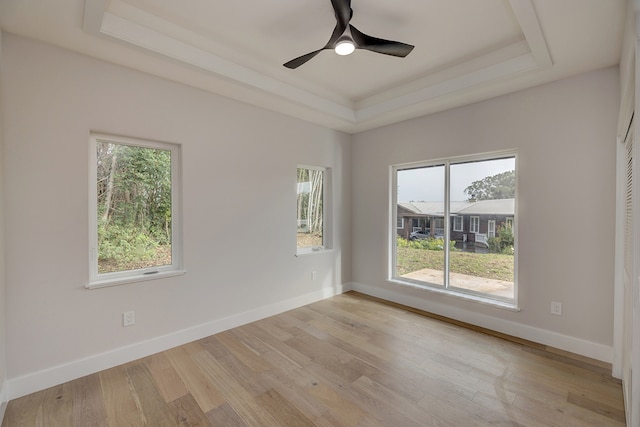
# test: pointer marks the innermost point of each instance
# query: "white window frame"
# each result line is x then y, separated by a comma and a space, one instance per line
99, 280
458, 227
501, 302
509, 222
474, 224
491, 228
327, 209
401, 222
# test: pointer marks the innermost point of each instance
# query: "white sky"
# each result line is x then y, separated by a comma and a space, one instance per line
427, 184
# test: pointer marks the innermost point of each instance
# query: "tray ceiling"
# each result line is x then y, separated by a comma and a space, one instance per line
466, 50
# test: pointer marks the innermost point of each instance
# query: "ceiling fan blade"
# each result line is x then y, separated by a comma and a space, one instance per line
295, 63
374, 44
342, 9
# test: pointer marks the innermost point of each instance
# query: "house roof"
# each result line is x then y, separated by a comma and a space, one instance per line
480, 207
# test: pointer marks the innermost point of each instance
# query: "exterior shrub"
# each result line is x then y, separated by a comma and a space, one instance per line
503, 242
432, 244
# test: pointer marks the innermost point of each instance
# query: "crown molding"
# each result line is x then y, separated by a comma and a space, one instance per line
523, 56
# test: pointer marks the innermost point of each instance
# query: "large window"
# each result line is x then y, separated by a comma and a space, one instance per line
479, 191
134, 216
312, 209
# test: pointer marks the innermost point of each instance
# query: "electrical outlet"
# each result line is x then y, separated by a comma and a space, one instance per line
314, 275
128, 318
556, 308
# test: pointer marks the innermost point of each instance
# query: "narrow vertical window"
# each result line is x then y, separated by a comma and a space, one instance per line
133, 209
441, 198
457, 223
474, 224
311, 208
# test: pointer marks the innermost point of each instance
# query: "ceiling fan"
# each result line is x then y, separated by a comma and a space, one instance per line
346, 38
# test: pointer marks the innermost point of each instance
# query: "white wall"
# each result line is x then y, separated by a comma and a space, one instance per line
239, 170
239, 165
565, 134
3, 342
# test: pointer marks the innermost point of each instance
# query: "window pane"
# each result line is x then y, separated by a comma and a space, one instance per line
133, 207
420, 250
483, 193
309, 212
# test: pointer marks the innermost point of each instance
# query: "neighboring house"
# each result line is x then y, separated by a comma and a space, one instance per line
471, 221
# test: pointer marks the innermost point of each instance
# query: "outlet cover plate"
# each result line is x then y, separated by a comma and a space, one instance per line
128, 318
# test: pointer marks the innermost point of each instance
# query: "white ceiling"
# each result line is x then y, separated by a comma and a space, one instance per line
466, 50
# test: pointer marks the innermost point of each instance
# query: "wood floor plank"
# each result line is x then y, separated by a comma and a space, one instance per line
188, 413
279, 346
57, 407
156, 411
243, 352
596, 406
292, 383
342, 410
240, 399
282, 410
88, 402
120, 402
326, 355
202, 390
350, 360
167, 380
228, 359
225, 415
25, 411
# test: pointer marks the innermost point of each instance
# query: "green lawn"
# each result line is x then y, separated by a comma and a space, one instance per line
490, 266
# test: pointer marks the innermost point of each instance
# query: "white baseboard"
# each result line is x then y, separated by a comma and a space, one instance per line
50, 377
563, 342
4, 399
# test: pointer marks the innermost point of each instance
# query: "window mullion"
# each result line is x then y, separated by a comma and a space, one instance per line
447, 210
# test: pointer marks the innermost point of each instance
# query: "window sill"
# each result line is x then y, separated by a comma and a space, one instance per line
140, 277
312, 251
505, 305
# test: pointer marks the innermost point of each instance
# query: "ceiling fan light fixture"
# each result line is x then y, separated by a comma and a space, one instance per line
345, 47
346, 38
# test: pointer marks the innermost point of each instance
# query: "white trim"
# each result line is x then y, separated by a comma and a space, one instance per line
137, 35
4, 399
473, 229
528, 19
490, 232
55, 375
505, 303
461, 228
327, 209
563, 342
507, 61
140, 276
447, 164
96, 279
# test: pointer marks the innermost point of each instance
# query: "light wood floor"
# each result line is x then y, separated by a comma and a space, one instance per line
347, 361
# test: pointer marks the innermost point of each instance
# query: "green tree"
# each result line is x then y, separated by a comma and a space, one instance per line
310, 199
500, 186
134, 204
503, 242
